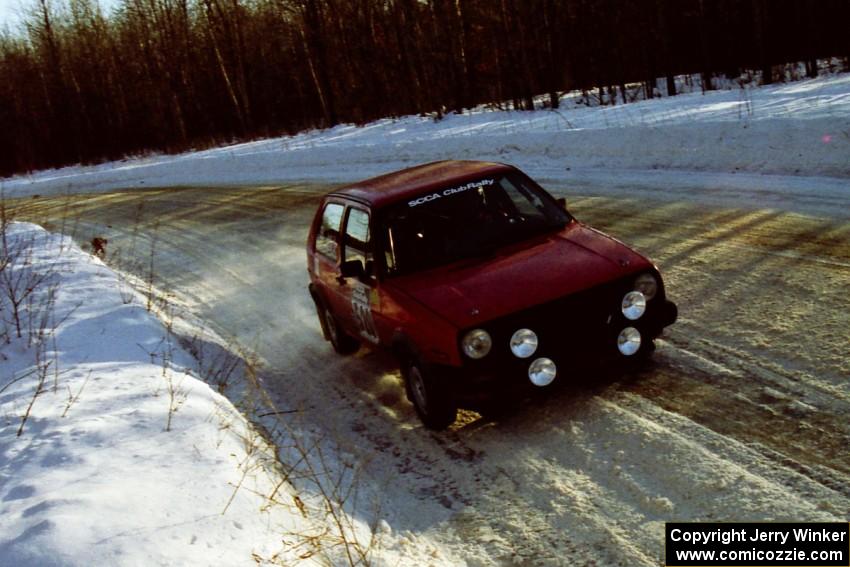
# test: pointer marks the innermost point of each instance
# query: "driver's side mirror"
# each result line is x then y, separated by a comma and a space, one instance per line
562, 202
351, 269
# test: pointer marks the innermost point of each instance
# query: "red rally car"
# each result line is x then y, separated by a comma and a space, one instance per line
480, 281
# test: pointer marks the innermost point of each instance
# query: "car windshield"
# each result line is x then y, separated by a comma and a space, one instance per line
472, 219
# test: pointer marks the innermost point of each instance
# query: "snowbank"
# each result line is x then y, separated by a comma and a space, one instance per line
114, 452
796, 129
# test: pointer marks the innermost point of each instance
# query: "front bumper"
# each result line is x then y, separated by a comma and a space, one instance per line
577, 348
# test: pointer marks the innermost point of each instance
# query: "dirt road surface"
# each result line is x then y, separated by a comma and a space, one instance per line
742, 416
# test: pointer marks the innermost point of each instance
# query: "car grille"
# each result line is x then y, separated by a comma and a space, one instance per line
581, 324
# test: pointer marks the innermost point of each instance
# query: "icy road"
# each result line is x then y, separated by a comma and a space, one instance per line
743, 415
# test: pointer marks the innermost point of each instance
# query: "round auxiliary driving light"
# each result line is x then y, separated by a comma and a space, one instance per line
628, 342
541, 372
477, 343
633, 305
523, 343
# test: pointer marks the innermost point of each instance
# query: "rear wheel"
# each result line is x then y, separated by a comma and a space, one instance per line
342, 342
434, 405
496, 407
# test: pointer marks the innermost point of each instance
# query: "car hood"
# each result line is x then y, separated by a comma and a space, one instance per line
474, 291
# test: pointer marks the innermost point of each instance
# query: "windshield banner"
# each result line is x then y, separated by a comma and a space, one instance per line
450, 191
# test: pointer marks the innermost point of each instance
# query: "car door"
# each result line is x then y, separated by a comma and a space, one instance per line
356, 295
327, 255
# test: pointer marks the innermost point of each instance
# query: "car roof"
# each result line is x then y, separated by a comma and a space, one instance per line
407, 183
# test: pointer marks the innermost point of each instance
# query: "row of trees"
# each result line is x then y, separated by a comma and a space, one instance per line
78, 85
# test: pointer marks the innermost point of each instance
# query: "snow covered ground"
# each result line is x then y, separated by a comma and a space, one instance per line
95, 477
113, 451
741, 139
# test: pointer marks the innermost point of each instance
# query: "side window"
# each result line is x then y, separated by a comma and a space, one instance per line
328, 236
357, 239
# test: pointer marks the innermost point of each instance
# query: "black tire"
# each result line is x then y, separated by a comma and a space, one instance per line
497, 408
341, 341
641, 360
433, 404
644, 355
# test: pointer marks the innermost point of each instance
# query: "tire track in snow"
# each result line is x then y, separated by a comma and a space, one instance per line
711, 431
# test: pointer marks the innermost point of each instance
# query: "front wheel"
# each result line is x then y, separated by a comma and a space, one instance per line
435, 407
641, 360
644, 355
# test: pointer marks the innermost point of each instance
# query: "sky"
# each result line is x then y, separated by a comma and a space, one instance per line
11, 10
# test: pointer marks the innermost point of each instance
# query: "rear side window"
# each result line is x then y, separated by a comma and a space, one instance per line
357, 238
328, 237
